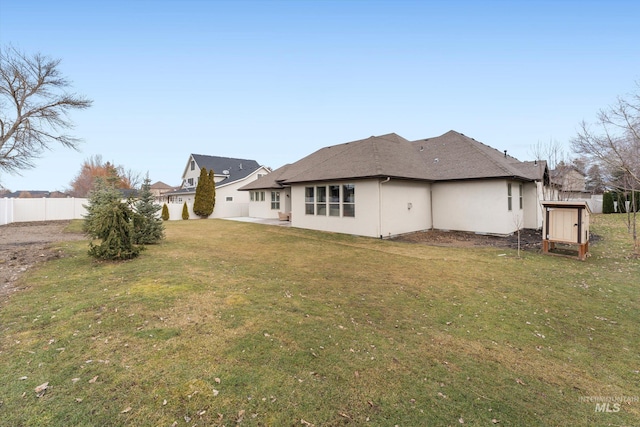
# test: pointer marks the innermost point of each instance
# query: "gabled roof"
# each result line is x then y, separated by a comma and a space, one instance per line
376, 156
234, 169
452, 156
386, 155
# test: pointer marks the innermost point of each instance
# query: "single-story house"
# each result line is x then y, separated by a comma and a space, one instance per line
385, 185
229, 175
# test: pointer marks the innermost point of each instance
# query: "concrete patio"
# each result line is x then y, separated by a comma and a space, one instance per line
273, 221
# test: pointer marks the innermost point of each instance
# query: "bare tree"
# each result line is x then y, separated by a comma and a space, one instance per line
131, 178
553, 153
34, 108
613, 142
94, 167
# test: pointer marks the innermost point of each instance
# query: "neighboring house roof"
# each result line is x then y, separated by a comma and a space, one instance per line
159, 185
451, 156
568, 178
128, 192
233, 169
535, 170
34, 194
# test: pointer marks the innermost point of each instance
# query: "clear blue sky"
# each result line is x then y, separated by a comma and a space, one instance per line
276, 80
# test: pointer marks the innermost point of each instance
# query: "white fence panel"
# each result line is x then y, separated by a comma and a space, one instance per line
44, 209
229, 211
6, 211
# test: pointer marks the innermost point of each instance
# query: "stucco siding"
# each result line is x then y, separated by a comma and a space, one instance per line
532, 206
406, 207
262, 209
367, 211
382, 209
476, 206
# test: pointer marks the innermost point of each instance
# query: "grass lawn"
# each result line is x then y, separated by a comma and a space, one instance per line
228, 322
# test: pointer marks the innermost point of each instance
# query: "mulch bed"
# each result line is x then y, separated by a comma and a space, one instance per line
530, 240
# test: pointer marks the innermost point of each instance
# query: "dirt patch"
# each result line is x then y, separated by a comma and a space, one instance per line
24, 244
529, 239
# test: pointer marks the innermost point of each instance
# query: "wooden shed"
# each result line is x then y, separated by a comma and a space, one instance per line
566, 222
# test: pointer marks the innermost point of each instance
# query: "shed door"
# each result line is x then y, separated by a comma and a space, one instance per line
562, 225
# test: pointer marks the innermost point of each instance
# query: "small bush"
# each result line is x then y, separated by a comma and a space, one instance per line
185, 211
115, 233
165, 212
205, 194
607, 202
148, 229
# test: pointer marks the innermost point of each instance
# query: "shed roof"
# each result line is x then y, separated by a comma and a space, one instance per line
566, 204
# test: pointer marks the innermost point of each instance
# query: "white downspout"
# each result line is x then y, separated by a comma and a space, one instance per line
380, 203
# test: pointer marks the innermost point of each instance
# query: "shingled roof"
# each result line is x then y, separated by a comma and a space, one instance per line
452, 156
234, 169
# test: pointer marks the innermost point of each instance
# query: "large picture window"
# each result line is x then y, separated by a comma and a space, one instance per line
349, 200
334, 200
321, 207
309, 201
257, 196
275, 200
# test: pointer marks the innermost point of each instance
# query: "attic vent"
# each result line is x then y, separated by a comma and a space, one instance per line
421, 148
240, 166
436, 160
505, 153
225, 172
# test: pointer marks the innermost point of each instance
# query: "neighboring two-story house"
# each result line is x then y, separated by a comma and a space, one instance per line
229, 175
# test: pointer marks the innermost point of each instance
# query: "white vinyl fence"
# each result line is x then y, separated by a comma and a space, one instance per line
229, 210
44, 209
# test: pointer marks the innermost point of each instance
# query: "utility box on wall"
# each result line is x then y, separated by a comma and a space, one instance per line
566, 222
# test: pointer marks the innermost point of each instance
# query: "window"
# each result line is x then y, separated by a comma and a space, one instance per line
229, 199
309, 199
509, 203
275, 200
190, 182
321, 207
256, 196
193, 164
348, 200
334, 200
520, 190
260, 175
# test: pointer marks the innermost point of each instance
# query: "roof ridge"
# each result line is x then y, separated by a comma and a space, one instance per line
223, 157
376, 154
